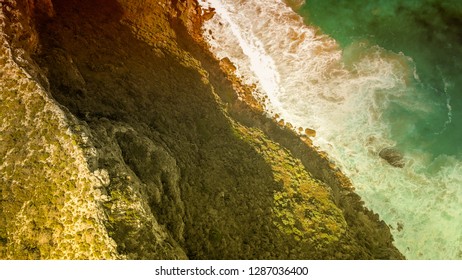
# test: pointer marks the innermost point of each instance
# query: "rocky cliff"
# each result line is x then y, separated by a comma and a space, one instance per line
122, 137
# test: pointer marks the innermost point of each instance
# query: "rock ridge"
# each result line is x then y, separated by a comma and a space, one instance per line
122, 137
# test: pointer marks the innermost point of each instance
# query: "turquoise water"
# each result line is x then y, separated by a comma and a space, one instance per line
429, 116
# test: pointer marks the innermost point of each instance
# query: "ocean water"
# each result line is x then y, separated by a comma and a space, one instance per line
365, 77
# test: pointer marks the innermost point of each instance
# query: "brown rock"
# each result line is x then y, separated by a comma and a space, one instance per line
208, 14
392, 156
310, 132
228, 65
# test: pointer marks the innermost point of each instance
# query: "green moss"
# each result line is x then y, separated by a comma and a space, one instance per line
304, 208
215, 235
239, 195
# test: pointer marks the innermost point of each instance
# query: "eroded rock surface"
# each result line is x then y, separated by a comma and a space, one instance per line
123, 138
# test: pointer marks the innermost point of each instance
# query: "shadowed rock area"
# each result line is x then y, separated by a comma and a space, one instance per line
177, 167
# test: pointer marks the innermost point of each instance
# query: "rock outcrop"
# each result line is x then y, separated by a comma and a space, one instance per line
393, 156
121, 137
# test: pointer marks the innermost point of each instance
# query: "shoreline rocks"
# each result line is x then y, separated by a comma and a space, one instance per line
393, 156
178, 165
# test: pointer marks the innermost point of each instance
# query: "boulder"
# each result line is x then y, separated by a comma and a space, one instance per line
393, 156
310, 132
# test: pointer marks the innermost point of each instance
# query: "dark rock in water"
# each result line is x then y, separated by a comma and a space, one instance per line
392, 156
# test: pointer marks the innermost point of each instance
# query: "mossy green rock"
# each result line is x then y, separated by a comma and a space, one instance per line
122, 138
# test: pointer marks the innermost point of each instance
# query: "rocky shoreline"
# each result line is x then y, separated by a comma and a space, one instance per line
169, 154
250, 112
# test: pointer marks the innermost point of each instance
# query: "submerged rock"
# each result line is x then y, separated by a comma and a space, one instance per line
392, 156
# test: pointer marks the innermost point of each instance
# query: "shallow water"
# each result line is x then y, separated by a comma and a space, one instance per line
345, 73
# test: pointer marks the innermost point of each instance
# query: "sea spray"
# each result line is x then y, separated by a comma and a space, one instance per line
348, 96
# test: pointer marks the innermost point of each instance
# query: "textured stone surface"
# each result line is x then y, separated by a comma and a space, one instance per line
392, 156
123, 138
49, 198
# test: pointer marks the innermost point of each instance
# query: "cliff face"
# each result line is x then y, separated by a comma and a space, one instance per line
123, 138
50, 200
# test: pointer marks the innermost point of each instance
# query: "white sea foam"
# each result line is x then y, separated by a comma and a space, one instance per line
310, 82
448, 121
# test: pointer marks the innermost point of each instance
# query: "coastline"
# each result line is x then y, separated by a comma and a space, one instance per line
171, 161
251, 112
